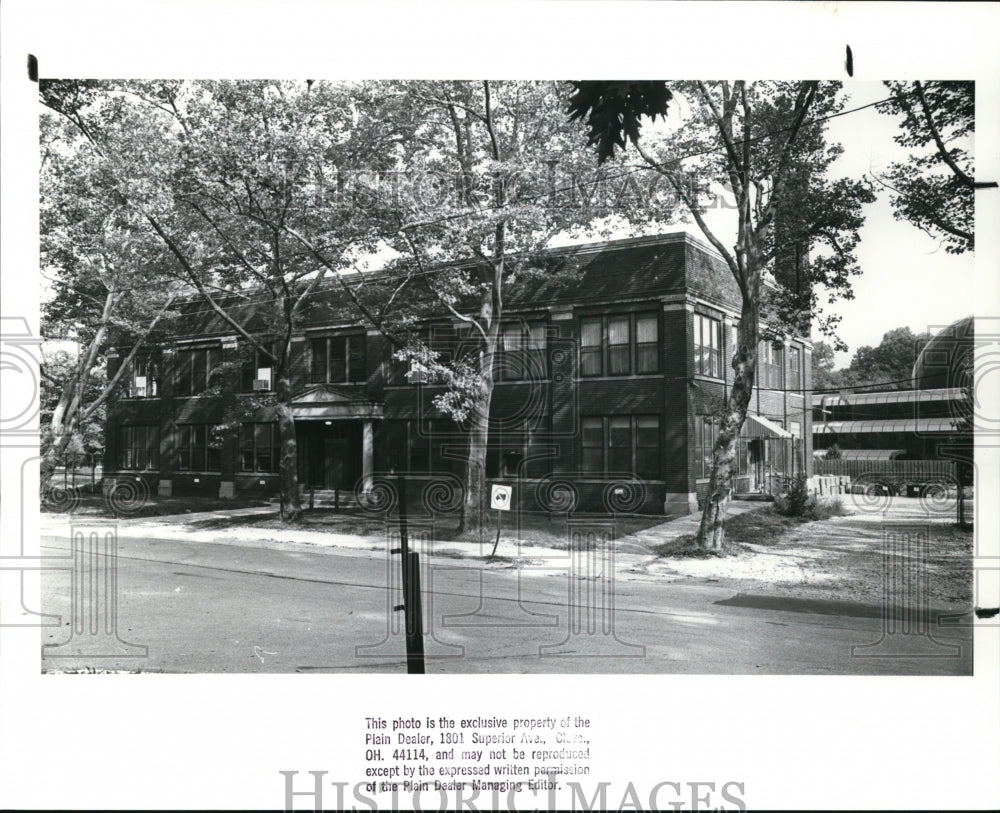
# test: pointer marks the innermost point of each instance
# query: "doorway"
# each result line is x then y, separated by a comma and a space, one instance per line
329, 454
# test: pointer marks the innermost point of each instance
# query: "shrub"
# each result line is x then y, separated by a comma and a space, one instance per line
826, 508
795, 500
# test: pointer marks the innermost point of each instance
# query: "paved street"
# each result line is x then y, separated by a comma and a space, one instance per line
196, 606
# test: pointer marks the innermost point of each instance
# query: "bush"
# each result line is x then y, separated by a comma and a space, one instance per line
795, 500
826, 508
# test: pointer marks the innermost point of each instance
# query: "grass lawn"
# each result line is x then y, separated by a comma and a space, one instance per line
96, 505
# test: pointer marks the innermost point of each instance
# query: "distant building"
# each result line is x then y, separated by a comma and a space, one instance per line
608, 378
924, 423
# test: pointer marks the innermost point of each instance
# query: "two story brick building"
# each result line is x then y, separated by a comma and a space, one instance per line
610, 369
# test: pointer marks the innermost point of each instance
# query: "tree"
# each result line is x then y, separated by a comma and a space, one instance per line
474, 214
227, 178
889, 365
934, 189
105, 282
765, 142
824, 377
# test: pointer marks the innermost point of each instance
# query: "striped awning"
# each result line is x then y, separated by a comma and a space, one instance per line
863, 454
757, 426
898, 425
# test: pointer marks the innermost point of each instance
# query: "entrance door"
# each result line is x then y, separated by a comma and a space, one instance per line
755, 451
334, 457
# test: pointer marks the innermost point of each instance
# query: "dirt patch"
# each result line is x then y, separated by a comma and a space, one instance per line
528, 530
843, 558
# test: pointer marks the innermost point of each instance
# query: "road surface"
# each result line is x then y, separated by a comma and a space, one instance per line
205, 607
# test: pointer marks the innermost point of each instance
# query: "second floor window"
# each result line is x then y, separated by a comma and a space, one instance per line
771, 365
338, 359
256, 371
795, 368
193, 370
619, 344
144, 379
707, 346
521, 352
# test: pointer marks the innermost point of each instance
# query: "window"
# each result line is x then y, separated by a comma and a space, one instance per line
707, 346
520, 354
619, 344
620, 444
259, 450
143, 378
194, 370
795, 368
427, 442
795, 428
771, 364
197, 450
591, 353
706, 431
338, 359
256, 371
138, 447
592, 440
647, 346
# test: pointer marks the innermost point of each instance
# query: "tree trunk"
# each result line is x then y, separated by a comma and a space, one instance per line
712, 531
474, 507
291, 503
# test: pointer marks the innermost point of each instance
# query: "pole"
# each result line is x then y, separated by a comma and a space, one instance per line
497, 540
414, 615
412, 605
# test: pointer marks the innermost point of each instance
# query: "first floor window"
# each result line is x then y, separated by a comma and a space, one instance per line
197, 450
138, 447
620, 444
706, 431
259, 447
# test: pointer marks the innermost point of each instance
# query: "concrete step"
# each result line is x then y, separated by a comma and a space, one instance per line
324, 498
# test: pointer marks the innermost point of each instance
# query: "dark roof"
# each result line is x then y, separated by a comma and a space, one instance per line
615, 271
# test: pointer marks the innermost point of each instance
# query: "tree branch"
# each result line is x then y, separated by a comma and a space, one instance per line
942, 150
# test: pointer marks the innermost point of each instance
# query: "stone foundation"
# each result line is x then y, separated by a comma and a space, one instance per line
680, 503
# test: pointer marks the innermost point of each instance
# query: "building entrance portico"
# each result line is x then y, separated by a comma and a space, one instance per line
334, 435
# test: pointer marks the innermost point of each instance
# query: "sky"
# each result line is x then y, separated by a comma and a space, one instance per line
907, 278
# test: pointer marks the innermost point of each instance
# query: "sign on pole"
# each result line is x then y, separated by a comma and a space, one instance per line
500, 497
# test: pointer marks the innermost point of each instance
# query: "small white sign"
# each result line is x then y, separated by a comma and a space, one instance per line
500, 497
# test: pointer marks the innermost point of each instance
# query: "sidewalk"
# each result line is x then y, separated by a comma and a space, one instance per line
183, 527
